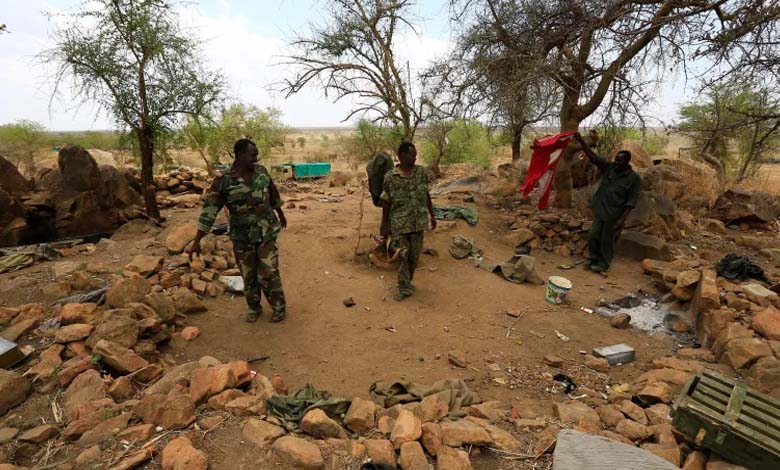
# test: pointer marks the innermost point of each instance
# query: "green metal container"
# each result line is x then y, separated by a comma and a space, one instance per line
731, 419
309, 170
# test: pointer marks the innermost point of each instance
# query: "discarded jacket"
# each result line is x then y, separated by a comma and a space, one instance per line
468, 214
733, 266
454, 392
517, 269
462, 247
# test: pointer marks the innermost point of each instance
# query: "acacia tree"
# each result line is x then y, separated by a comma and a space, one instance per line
603, 51
134, 60
354, 55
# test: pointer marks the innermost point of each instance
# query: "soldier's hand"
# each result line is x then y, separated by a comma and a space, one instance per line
194, 249
433, 223
282, 219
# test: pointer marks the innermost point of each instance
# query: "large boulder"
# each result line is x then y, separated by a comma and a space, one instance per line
11, 180
13, 223
118, 188
739, 205
639, 246
655, 214
79, 170
664, 180
14, 389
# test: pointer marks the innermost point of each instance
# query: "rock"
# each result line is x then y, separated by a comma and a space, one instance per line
738, 205
554, 361
145, 265
667, 451
39, 434
678, 364
220, 401
520, 237
72, 368
316, 423
119, 358
12, 180
8, 434
407, 428
412, 457
702, 354
172, 411
502, 440
86, 387
757, 293
127, 290
89, 456
633, 411
385, 425
676, 323
187, 302
162, 304
731, 332
73, 332
119, 329
88, 416
261, 433
106, 430
361, 415
764, 375
572, 411
279, 385
639, 246
743, 352
190, 332
180, 236
78, 313
659, 414
633, 430
490, 410
657, 392
615, 437
620, 321
461, 432
139, 433
717, 463
432, 438
707, 296
179, 454
453, 459
431, 409
596, 363
177, 375
610, 415
711, 324
134, 459
19, 328
298, 453
209, 381
767, 323
50, 361
696, 460
457, 358
381, 452
685, 284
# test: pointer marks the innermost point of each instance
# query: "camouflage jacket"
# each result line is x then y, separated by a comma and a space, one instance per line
250, 204
408, 198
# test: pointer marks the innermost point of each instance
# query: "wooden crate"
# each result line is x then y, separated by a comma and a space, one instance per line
731, 419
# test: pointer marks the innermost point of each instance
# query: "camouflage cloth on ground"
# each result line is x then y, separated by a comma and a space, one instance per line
254, 228
408, 198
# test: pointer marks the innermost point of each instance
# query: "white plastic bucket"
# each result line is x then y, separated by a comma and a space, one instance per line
557, 288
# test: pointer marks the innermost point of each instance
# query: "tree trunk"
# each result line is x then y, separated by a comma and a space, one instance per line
563, 183
146, 144
517, 137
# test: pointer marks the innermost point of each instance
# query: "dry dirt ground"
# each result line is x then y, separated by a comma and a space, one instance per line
344, 350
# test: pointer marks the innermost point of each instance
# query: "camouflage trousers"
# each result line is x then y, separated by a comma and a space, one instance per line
410, 246
260, 270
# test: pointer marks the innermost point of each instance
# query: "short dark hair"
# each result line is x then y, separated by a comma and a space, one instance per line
405, 148
241, 146
628, 154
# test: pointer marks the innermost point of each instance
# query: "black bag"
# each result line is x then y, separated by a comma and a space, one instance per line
733, 267
376, 169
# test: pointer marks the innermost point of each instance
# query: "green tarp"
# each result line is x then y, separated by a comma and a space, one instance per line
291, 409
468, 214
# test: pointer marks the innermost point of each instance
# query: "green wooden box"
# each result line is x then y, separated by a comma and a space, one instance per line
731, 419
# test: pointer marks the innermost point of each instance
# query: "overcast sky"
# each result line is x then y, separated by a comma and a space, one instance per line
245, 39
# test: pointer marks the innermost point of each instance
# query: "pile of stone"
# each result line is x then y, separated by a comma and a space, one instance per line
182, 187
79, 197
739, 322
561, 232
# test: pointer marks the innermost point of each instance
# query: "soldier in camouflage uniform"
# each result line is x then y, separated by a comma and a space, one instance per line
406, 208
256, 218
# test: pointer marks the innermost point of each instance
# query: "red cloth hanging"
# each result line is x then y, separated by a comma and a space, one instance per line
547, 151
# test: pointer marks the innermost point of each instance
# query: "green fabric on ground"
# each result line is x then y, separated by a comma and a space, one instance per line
454, 392
462, 247
14, 258
290, 410
468, 214
13, 262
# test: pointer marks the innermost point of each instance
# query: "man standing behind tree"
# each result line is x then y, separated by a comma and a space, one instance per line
616, 196
406, 208
251, 199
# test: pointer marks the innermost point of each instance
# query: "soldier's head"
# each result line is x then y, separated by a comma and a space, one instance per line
245, 152
407, 154
623, 160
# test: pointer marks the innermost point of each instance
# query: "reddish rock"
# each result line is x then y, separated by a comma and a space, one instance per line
431, 409
261, 433
190, 332
50, 361
119, 358
162, 304
633, 430
731, 332
39, 434
553, 361
127, 290
88, 415
86, 387
105, 430
407, 428
180, 236
209, 381
461, 432
279, 384
678, 364
767, 323
73, 332
668, 452
219, 401
145, 265
633, 411
78, 313
172, 411
432, 438
620, 321
139, 433
659, 413
707, 296
615, 437
73, 368
453, 459
596, 363
670, 376
501, 439
696, 460
381, 451
412, 457
743, 352
361, 415
657, 392
179, 454
316, 423
764, 375
610, 415
299, 453
490, 410
121, 389
116, 328
570, 412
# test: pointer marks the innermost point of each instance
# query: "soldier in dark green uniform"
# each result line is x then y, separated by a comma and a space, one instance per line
256, 218
406, 209
616, 196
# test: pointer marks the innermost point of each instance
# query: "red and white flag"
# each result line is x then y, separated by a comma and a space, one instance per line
547, 151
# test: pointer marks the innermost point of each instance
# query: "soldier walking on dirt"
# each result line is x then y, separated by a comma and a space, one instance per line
405, 211
256, 218
616, 196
